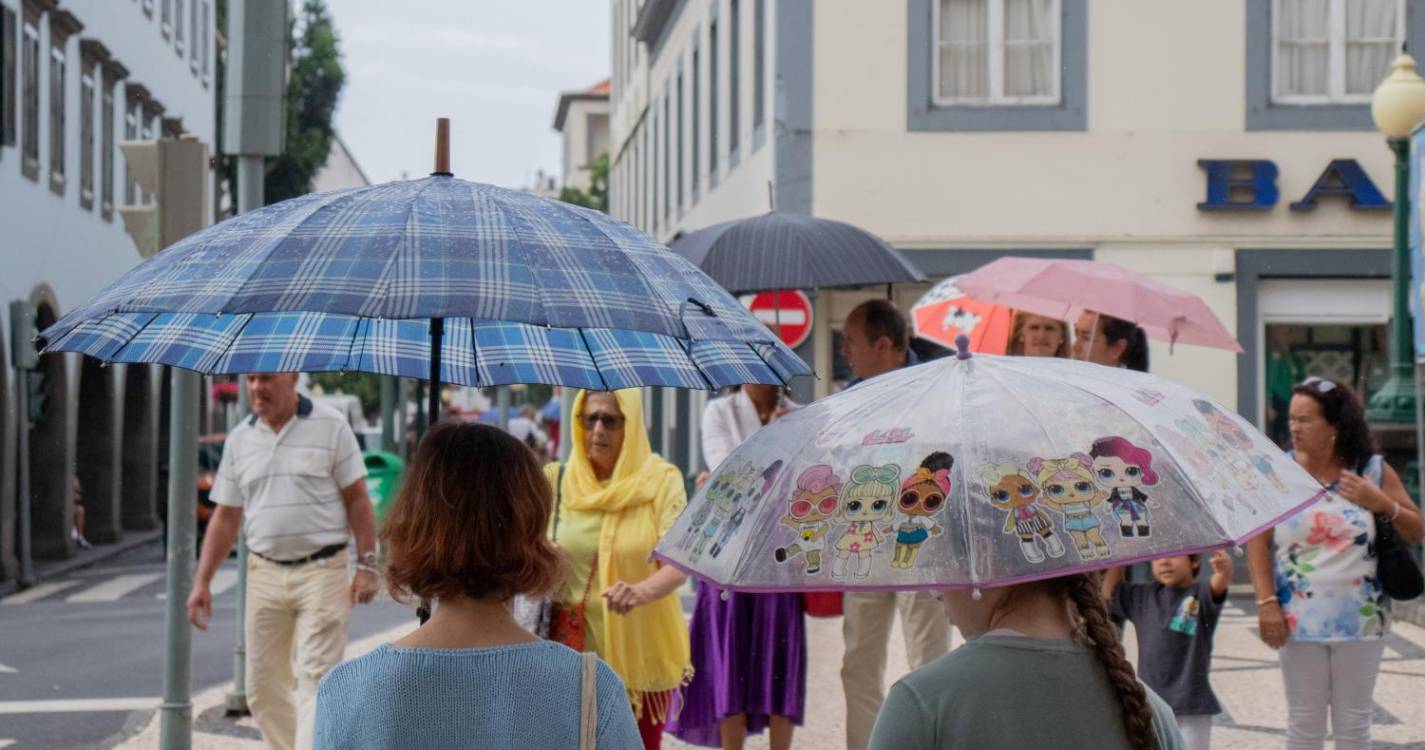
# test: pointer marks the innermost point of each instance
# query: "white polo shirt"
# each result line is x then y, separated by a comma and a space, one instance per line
289, 482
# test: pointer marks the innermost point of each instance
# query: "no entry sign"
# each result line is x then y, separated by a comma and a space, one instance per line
787, 313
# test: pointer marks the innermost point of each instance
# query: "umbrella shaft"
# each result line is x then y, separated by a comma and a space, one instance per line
437, 334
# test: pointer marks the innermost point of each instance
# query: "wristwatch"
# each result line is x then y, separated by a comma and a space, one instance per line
367, 562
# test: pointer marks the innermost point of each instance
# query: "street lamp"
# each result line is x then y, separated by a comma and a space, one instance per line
1398, 106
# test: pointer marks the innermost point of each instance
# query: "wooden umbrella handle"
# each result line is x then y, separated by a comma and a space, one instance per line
442, 145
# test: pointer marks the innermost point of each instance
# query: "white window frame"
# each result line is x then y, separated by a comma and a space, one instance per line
1336, 63
997, 97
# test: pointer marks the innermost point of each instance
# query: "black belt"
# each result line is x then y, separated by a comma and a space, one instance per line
320, 554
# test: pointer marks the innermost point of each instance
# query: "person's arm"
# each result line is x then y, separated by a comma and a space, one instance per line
1392, 496
624, 597
717, 433
362, 518
1111, 578
223, 528
1221, 574
1271, 622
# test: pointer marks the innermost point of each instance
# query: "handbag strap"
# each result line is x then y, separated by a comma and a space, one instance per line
589, 702
558, 500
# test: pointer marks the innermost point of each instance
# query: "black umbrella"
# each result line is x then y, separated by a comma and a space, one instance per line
791, 251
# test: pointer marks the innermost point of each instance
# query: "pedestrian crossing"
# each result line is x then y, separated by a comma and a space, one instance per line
105, 587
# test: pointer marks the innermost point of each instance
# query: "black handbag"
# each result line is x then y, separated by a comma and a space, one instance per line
1399, 575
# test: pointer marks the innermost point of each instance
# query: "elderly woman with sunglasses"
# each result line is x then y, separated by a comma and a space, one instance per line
614, 499
1319, 597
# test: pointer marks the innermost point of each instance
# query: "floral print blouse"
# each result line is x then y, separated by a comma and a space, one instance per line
1326, 570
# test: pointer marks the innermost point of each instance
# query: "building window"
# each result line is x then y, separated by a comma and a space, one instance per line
61, 25
207, 40
759, 73
714, 94
194, 46
678, 147
996, 52
30, 96
8, 84
667, 159
178, 27
106, 150
696, 120
148, 8
87, 89
165, 19
133, 113
734, 82
997, 65
1332, 51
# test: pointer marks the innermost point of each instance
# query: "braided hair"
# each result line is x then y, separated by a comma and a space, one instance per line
1085, 592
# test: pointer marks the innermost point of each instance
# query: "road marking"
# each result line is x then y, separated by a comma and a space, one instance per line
225, 579
114, 588
78, 705
38, 592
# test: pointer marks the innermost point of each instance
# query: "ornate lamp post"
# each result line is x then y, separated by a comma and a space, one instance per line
1398, 106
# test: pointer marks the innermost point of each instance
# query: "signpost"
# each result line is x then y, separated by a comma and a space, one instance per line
787, 313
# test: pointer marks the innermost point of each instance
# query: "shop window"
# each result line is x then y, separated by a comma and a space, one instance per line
1352, 354
1333, 51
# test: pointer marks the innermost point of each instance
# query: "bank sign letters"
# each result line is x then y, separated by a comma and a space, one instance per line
1251, 185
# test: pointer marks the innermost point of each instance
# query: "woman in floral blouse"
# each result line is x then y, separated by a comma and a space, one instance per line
1319, 598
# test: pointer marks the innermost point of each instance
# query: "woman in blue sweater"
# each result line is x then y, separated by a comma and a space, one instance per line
468, 532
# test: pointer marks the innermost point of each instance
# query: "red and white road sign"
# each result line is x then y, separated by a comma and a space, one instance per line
787, 313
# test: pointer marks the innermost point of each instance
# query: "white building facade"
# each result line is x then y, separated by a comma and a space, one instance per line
77, 77
1233, 157
582, 121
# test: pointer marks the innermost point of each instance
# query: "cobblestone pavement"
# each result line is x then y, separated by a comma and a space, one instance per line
1245, 676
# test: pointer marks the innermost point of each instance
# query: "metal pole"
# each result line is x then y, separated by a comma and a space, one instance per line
388, 413
250, 176
403, 398
502, 403
437, 343
566, 422
176, 722
22, 392
1395, 401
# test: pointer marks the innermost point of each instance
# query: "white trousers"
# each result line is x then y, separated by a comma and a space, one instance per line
1197, 731
301, 609
1340, 677
867, 630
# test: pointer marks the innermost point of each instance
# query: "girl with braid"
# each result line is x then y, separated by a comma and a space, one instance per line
1041, 658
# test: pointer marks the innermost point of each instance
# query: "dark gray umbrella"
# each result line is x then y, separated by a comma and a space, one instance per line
789, 251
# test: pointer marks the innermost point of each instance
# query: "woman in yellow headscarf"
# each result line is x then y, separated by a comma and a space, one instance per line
614, 499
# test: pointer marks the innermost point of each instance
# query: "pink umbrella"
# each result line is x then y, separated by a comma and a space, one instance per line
1056, 287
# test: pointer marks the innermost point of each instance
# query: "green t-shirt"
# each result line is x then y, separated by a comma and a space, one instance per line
1011, 692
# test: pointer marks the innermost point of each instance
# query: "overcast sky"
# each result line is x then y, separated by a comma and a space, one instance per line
495, 67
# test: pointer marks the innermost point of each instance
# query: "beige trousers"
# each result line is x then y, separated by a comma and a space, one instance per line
297, 607
867, 631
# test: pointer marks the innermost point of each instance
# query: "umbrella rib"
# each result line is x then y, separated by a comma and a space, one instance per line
232, 342
597, 370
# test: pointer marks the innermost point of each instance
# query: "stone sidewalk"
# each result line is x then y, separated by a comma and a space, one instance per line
1245, 676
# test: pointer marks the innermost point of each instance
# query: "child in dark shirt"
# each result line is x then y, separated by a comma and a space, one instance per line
1175, 616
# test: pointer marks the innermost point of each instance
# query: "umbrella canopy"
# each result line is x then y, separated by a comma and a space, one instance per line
517, 288
945, 313
983, 471
789, 251
1056, 287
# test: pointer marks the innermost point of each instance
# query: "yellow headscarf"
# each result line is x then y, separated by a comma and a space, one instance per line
647, 647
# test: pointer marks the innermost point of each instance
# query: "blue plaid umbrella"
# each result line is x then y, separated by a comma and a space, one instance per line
472, 284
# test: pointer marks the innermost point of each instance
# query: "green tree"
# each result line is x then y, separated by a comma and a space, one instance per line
363, 385
597, 196
313, 88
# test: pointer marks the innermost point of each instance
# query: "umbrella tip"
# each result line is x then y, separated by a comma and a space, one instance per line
962, 347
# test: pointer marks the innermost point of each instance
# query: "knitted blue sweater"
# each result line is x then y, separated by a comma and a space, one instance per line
508, 697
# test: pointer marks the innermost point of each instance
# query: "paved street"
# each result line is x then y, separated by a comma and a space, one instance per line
81, 660
1245, 676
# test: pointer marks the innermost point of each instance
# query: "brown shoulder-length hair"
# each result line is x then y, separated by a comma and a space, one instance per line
1016, 346
471, 519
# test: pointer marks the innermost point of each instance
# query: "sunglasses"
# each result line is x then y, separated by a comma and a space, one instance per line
911, 498
609, 421
802, 508
1320, 385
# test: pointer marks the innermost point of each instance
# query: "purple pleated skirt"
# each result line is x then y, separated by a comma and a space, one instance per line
749, 656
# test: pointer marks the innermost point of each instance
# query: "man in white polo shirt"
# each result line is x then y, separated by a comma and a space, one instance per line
294, 473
